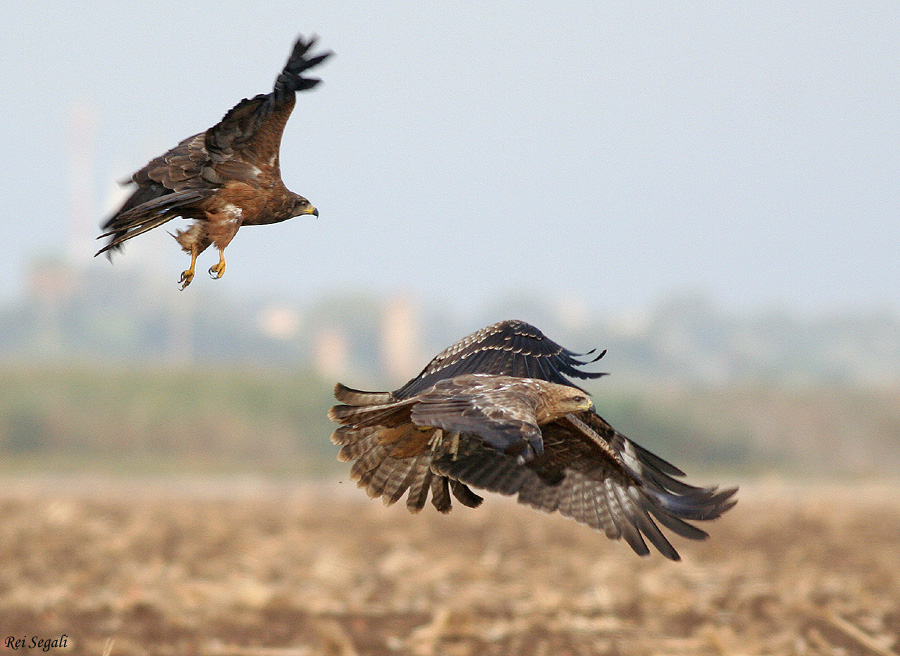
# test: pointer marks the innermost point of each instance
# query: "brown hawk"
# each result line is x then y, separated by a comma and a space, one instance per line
496, 412
221, 179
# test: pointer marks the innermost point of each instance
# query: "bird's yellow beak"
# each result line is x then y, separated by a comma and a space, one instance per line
311, 210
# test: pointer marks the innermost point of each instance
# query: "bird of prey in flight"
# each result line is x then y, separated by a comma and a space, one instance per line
223, 178
496, 411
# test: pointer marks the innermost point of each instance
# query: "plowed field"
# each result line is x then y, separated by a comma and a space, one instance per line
258, 569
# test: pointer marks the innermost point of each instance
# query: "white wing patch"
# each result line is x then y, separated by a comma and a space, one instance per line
631, 459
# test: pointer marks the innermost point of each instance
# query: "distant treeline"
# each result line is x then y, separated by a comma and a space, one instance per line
137, 419
103, 314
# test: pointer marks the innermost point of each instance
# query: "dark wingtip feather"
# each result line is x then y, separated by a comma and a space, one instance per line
633, 537
291, 79
663, 466
600, 355
676, 525
440, 494
510, 348
464, 495
700, 505
652, 532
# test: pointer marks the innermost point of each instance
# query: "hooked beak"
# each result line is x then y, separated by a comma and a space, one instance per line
311, 210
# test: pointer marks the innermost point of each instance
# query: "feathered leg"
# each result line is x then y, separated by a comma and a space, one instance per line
194, 240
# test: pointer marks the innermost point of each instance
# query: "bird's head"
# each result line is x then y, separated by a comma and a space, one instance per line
302, 206
560, 400
577, 401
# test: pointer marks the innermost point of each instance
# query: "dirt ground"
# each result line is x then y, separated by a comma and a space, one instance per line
258, 569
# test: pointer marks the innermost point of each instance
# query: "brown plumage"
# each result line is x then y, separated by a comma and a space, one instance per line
504, 411
223, 178
471, 418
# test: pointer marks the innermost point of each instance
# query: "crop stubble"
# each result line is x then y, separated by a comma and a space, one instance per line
257, 569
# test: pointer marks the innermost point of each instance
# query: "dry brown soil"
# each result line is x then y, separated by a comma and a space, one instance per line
259, 569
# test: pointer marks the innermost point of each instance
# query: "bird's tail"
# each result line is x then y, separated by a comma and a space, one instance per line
132, 220
355, 397
361, 415
291, 78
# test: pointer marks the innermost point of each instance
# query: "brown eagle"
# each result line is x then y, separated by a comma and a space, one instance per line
223, 178
495, 411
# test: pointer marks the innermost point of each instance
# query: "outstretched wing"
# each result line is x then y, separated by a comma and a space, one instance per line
251, 131
186, 166
507, 348
598, 477
389, 463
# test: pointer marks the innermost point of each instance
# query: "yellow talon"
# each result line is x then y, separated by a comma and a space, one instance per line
216, 270
188, 275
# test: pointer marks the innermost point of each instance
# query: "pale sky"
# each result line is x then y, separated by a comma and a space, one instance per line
611, 152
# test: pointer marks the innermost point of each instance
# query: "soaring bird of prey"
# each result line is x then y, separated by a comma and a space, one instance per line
495, 411
223, 178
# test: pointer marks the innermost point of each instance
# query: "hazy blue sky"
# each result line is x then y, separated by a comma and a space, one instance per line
613, 152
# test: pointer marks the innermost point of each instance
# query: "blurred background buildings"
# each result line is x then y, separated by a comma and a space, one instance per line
121, 313
708, 192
